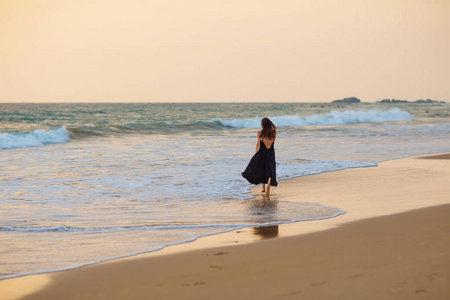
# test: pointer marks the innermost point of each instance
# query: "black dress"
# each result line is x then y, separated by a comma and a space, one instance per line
262, 166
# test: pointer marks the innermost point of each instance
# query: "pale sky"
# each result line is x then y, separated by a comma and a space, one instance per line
210, 51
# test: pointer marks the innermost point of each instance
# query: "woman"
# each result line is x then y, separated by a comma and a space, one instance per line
261, 168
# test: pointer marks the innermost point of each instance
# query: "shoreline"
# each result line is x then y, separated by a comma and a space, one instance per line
424, 176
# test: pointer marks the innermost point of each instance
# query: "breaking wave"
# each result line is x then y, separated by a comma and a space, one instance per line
62, 135
36, 138
332, 118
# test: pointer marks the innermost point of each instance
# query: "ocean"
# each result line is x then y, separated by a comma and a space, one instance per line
83, 183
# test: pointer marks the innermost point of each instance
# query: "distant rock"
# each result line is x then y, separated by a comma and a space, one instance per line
392, 101
428, 101
432, 101
347, 100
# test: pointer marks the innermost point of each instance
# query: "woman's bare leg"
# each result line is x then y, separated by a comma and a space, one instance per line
268, 187
264, 188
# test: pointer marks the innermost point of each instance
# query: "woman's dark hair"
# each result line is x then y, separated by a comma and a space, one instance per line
269, 130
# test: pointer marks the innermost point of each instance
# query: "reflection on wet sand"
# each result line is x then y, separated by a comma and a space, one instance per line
266, 232
267, 210
264, 207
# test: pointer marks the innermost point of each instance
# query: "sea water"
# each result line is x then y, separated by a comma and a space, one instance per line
82, 183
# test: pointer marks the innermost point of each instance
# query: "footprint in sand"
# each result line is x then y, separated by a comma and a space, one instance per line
216, 267
193, 284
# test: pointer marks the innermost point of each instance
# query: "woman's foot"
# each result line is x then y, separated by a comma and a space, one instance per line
268, 187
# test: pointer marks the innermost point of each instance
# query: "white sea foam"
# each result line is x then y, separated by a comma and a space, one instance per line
63, 228
33, 139
331, 118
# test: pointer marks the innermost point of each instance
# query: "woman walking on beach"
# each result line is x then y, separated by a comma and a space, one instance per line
261, 168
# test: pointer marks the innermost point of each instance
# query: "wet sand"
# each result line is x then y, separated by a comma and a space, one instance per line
392, 243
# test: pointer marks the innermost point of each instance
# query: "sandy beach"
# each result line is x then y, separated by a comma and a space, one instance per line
393, 242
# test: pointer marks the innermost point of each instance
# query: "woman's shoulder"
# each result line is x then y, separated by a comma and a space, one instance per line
259, 134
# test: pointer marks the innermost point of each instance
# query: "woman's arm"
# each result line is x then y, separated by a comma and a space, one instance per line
257, 142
